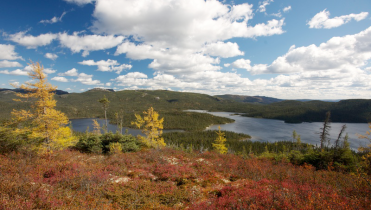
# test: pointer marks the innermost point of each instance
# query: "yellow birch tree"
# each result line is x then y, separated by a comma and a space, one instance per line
42, 121
152, 127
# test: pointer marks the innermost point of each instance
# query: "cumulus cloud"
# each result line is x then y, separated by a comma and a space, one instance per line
221, 49
9, 64
87, 43
172, 61
51, 56
32, 42
54, 19
49, 71
80, 2
347, 53
322, 20
7, 52
286, 9
73, 72
17, 72
25, 71
108, 65
180, 23
86, 79
264, 4
60, 79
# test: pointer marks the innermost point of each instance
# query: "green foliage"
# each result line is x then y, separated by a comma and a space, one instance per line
170, 104
93, 143
90, 143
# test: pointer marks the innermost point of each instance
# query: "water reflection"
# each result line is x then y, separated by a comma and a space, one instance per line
82, 125
277, 130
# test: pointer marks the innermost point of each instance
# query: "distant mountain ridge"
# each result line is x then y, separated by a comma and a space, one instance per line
171, 103
18, 90
250, 99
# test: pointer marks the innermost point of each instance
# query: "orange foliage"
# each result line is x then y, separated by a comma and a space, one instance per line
171, 179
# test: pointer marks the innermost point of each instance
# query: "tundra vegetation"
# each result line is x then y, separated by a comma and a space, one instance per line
44, 166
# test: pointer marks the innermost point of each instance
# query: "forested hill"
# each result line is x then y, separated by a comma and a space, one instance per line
170, 104
250, 99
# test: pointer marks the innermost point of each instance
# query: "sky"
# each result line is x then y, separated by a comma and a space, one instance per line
288, 49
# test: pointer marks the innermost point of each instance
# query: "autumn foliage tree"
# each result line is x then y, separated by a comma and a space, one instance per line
219, 144
42, 121
152, 127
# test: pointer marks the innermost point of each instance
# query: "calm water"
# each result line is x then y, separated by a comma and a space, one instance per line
260, 129
277, 130
82, 124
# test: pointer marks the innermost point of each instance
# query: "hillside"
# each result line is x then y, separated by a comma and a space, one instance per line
171, 104
250, 99
172, 179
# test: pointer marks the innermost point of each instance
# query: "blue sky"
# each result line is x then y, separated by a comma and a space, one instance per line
286, 49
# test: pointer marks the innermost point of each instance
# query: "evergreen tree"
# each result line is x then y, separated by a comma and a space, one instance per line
325, 130
219, 144
42, 121
152, 127
105, 102
337, 142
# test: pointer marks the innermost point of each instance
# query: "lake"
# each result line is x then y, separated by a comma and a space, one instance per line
276, 130
82, 124
259, 129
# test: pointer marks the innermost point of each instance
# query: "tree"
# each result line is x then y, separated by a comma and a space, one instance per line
152, 127
368, 137
105, 102
325, 130
337, 142
42, 121
219, 144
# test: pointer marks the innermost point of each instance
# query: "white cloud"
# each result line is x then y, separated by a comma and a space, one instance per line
322, 20
86, 79
286, 9
7, 52
51, 56
224, 50
32, 42
71, 73
227, 64
80, 2
263, 4
9, 64
87, 43
172, 61
108, 65
25, 71
242, 64
179, 23
180, 36
17, 72
54, 19
60, 79
108, 84
342, 54
49, 71
15, 84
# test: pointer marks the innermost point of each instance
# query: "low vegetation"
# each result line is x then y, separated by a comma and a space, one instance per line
180, 170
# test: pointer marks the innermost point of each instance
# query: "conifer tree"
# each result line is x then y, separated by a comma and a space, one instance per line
152, 127
219, 144
42, 121
105, 102
325, 130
